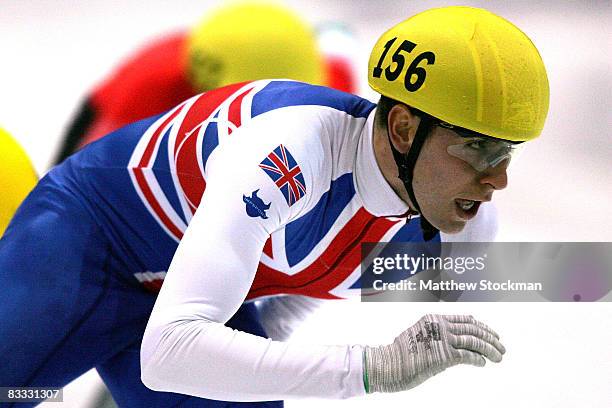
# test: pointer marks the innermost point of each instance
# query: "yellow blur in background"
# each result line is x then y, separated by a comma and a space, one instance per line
17, 177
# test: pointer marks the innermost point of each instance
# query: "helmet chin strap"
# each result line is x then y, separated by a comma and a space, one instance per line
405, 165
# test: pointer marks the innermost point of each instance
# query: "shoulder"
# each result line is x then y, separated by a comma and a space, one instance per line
305, 118
297, 134
321, 124
286, 93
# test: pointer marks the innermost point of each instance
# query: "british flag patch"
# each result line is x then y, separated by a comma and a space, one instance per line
285, 172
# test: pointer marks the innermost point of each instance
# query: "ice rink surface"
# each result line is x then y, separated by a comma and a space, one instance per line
559, 355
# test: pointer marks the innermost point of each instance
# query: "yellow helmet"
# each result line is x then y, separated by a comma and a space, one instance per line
467, 67
17, 177
252, 40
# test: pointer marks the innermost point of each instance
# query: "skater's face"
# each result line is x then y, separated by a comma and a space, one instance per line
448, 189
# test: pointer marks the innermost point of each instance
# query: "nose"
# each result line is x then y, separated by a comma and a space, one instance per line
496, 177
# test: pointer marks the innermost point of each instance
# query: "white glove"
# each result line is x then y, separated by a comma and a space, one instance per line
280, 315
433, 344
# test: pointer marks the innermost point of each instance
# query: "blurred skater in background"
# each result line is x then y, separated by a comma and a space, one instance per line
237, 42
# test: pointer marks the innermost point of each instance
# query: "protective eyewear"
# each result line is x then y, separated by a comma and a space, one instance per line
480, 151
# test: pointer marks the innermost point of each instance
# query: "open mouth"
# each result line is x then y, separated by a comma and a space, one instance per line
467, 209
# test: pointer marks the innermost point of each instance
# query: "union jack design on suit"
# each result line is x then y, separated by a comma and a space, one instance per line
285, 172
180, 143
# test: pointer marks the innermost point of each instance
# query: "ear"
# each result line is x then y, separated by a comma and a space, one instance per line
402, 125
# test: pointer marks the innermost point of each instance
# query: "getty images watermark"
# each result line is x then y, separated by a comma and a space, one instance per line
435, 271
410, 265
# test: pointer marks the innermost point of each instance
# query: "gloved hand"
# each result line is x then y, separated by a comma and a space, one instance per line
433, 344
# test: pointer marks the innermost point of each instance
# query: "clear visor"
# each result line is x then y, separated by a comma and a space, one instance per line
483, 153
